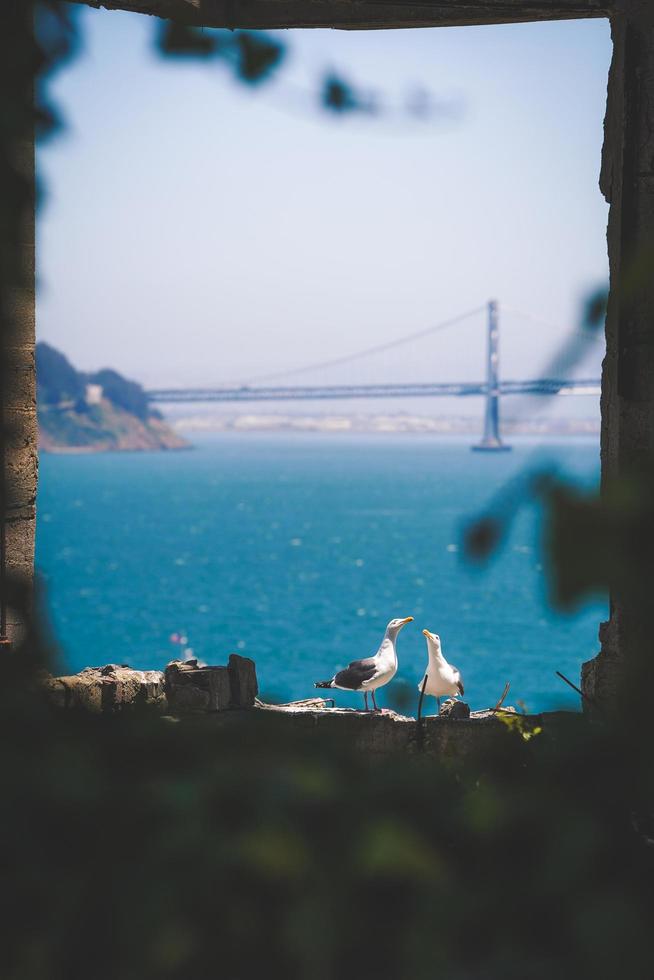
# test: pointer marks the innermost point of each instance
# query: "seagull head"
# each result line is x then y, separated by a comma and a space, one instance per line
396, 625
433, 642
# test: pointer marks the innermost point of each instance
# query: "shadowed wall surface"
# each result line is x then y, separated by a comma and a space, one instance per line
358, 14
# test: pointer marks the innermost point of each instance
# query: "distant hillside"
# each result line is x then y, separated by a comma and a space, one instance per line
94, 412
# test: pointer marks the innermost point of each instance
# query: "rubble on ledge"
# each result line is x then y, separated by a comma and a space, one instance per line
191, 687
184, 687
108, 689
453, 708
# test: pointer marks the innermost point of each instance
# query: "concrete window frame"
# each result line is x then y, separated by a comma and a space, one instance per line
626, 181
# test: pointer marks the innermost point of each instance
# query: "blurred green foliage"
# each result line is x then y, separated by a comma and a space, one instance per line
339, 96
139, 847
252, 55
602, 543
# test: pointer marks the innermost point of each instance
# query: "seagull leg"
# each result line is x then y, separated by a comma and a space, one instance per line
365, 698
438, 701
373, 701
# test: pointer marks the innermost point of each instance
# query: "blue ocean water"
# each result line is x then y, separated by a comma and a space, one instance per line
296, 550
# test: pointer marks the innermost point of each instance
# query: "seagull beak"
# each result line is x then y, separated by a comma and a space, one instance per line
409, 619
426, 633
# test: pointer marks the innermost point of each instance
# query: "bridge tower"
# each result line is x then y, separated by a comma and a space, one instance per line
491, 440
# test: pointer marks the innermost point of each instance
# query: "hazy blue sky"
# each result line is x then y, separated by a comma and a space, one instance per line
197, 231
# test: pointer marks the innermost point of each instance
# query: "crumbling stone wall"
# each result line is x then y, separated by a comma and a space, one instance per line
21, 463
627, 402
227, 695
18, 428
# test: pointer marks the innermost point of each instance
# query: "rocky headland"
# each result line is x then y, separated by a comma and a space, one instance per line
98, 412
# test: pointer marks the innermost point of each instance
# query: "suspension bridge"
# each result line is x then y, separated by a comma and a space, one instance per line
492, 388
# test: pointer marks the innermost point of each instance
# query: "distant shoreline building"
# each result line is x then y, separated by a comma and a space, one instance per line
93, 395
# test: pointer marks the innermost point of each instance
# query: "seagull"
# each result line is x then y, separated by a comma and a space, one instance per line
373, 672
442, 678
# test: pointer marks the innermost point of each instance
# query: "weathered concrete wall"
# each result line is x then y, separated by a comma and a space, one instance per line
627, 182
357, 14
19, 402
184, 687
226, 696
18, 466
190, 687
107, 690
384, 732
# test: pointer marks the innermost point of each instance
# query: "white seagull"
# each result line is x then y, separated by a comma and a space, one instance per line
373, 672
442, 678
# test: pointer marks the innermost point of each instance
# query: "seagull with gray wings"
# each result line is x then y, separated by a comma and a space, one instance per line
373, 672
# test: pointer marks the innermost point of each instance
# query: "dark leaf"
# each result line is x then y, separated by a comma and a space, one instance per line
482, 538
594, 311
257, 55
338, 96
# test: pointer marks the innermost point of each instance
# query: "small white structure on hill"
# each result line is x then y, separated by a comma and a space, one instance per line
93, 394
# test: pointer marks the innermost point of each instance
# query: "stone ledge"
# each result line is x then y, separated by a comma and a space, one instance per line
226, 696
381, 732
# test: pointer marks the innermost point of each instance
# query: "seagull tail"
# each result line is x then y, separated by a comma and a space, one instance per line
329, 683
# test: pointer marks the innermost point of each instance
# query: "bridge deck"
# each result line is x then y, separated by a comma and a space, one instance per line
538, 386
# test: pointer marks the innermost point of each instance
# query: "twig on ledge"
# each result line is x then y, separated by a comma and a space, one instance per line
574, 687
420, 720
304, 703
504, 694
420, 699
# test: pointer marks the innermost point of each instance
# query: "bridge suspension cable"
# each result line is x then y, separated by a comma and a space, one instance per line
377, 349
535, 319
